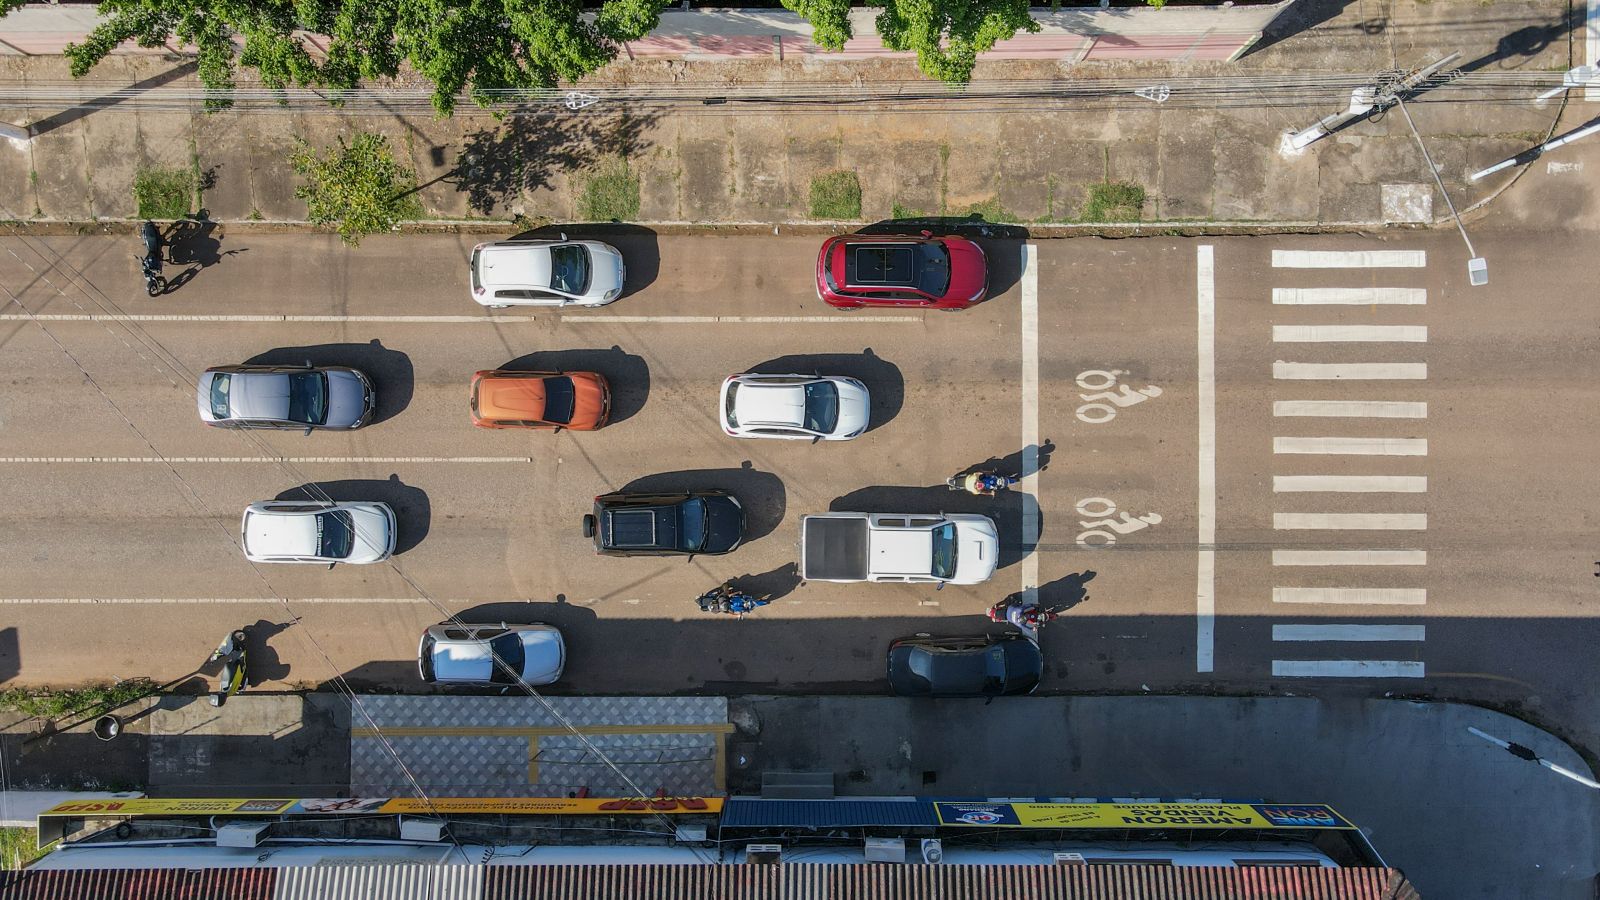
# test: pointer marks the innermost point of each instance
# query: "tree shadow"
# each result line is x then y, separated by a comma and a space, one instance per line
393, 378
638, 245
525, 152
1008, 510
1303, 16
628, 374
884, 382
1016, 465
1518, 48
1005, 269
777, 584
760, 493
412, 511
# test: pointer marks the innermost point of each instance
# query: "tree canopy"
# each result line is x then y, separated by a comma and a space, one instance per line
357, 186
476, 46
947, 35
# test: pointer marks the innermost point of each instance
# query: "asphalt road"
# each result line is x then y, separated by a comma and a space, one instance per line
1454, 459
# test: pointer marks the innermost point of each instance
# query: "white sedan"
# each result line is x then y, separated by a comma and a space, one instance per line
794, 407
301, 531
459, 653
546, 273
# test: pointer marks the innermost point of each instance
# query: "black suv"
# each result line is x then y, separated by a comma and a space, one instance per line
710, 522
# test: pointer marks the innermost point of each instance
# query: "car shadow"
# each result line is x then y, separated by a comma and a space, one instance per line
412, 511
883, 379
391, 372
775, 585
999, 241
1008, 510
628, 374
641, 252
760, 493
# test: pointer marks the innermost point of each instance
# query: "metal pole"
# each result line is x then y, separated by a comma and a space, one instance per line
1477, 266
1528, 156
1526, 753
1362, 101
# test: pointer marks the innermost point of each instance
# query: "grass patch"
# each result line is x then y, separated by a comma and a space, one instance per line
78, 701
905, 212
611, 194
1114, 201
836, 195
18, 847
163, 193
990, 210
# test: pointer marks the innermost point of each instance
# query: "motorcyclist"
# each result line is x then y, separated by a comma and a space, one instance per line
986, 483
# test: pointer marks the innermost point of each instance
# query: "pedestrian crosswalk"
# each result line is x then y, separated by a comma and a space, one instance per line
1346, 446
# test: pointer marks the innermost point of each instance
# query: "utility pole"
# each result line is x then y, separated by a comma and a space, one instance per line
1477, 266
1363, 101
1528, 156
15, 132
1525, 753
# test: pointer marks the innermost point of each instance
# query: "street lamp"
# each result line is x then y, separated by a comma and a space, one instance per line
1477, 266
1526, 753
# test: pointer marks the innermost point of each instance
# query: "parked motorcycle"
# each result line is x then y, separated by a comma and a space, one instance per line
981, 484
732, 602
233, 678
154, 283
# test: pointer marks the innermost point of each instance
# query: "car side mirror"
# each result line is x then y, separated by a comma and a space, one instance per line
308, 429
816, 438
331, 565
926, 233
940, 587
309, 365
558, 428
563, 235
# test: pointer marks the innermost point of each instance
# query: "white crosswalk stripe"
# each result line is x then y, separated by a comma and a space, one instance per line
1349, 334
1298, 371
1351, 409
1349, 296
1352, 446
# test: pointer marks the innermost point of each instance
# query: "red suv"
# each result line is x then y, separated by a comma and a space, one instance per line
856, 270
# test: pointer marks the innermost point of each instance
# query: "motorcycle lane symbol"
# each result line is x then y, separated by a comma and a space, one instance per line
1104, 529
1101, 407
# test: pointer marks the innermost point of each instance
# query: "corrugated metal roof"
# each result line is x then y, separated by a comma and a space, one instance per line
372, 882
746, 812
799, 881
139, 884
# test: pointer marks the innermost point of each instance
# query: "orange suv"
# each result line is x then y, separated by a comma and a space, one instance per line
502, 398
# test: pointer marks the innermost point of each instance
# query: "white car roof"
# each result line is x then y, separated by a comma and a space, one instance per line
770, 404
897, 552
281, 534
515, 264
468, 659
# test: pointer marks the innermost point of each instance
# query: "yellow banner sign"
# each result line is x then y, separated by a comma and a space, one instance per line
1140, 815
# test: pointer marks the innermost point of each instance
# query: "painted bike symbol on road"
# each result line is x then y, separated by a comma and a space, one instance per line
1101, 407
1102, 528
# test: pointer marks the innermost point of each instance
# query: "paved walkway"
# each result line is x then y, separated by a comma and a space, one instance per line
1021, 161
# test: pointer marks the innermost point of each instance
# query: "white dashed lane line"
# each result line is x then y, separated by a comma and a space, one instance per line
462, 320
1205, 591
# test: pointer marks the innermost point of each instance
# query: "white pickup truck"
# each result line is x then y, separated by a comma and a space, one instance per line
908, 548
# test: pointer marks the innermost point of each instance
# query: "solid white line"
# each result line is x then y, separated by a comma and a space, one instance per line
1352, 446
1373, 409
1030, 419
1353, 484
1349, 632
1327, 334
1206, 563
148, 601
1346, 668
257, 460
1349, 259
1591, 44
1352, 596
462, 320
1351, 521
1359, 371
1388, 296
1349, 557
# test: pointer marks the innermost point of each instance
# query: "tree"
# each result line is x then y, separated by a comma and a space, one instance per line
357, 186
479, 46
947, 35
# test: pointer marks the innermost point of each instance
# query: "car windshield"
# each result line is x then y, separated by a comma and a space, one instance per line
730, 410
693, 530
558, 400
219, 394
336, 534
933, 268
944, 551
822, 407
308, 398
569, 269
508, 650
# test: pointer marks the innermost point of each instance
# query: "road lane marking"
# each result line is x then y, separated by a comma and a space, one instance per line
1372, 409
1349, 632
1328, 334
170, 601
1205, 592
1349, 259
258, 460
1351, 521
1382, 296
1353, 484
1352, 446
459, 320
1030, 421
1349, 557
1352, 596
1349, 371
1346, 668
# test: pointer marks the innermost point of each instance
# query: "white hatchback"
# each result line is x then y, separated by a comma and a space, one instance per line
546, 273
452, 653
794, 407
301, 531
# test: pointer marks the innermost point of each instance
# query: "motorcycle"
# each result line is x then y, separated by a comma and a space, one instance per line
1028, 618
232, 679
727, 601
981, 484
154, 283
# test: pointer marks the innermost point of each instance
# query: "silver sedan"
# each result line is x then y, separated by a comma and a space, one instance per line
285, 397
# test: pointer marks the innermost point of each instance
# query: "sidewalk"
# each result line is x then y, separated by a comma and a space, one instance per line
1024, 163
1461, 817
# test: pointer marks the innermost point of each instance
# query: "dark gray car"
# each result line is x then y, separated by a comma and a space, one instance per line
289, 397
